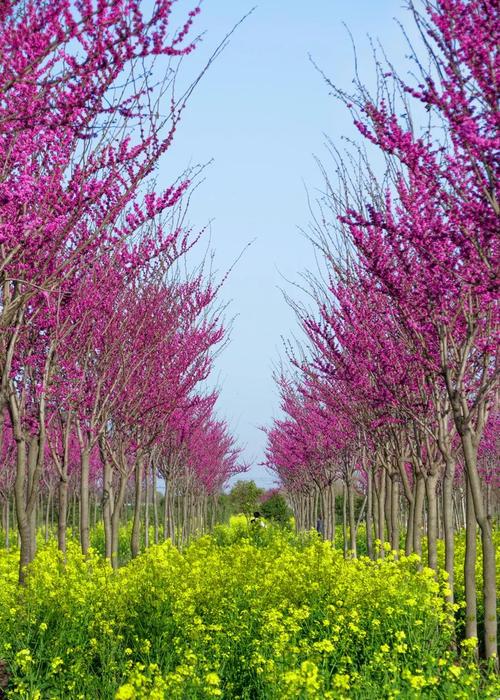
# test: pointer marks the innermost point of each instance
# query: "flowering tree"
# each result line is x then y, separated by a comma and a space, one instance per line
98, 344
407, 323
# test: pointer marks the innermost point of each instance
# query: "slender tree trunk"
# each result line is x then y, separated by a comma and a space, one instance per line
107, 505
418, 514
21, 515
47, 515
456, 515
146, 507
204, 516
332, 512
186, 512
4, 515
381, 512
344, 517
155, 504
165, 513
115, 519
62, 516
174, 514
136, 525
470, 564
488, 547
388, 505
410, 498
213, 511
352, 519
394, 513
430, 487
463, 508
6, 521
449, 534
325, 509
439, 505
32, 494
84, 500
369, 515
489, 512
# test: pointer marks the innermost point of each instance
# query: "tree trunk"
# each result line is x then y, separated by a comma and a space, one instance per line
84, 500
21, 515
470, 564
388, 505
352, 519
439, 506
381, 512
115, 519
47, 515
107, 505
173, 515
6, 521
32, 493
395, 513
369, 515
488, 547
344, 517
62, 516
136, 525
430, 487
417, 514
449, 534
410, 497
155, 504
73, 514
325, 512
165, 513
146, 507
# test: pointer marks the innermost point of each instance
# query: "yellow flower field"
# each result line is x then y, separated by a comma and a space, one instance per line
235, 615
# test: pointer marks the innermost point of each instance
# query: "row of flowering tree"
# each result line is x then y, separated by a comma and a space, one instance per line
104, 347
396, 394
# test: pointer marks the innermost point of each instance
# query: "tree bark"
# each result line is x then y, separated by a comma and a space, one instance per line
168, 515
32, 493
47, 515
449, 533
62, 516
352, 519
21, 514
155, 504
107, 505
388, 505
115, 519
395, 513
84, 500
369, 515
6, 520
146, 506
136, 525
344, 517
488, 547
430, 487
470, 564
418, 514
381, 512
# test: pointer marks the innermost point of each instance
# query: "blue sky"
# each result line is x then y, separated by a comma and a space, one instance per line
261, 113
